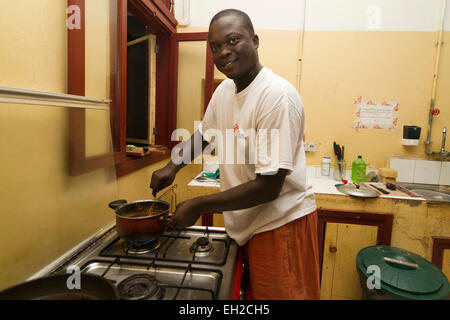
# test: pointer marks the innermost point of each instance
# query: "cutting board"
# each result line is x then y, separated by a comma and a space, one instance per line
140, 152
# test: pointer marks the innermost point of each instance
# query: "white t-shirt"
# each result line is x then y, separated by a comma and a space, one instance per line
258, 131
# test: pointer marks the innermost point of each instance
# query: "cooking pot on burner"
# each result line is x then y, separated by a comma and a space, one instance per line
135, 223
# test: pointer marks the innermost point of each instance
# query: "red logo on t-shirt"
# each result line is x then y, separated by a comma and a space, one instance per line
236, 129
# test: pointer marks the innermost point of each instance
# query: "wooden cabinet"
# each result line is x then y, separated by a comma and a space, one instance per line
170, 4
446, 263
441, 254
341, 236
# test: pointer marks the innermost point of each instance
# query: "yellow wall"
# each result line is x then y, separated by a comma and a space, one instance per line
33, 39
342, 65
44, 211
442, 96
97, 73
191, 74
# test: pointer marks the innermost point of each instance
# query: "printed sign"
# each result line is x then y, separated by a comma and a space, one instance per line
376, 115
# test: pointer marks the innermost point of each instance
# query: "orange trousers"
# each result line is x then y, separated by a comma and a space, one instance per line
283, 264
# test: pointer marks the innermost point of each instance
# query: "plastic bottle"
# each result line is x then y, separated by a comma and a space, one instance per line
359, 170
326, 163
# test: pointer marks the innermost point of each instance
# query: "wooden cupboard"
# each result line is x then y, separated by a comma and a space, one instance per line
341, 236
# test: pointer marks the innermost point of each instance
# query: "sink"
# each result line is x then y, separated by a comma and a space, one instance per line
430, 192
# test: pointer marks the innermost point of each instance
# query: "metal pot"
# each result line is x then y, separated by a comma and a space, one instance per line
133, 222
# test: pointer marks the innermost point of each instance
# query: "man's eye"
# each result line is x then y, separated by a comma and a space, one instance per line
234, 40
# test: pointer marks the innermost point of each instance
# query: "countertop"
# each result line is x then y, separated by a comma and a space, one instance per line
319, 185
327, 186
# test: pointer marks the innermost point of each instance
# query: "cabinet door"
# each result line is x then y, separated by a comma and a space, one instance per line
342, 243
446, 263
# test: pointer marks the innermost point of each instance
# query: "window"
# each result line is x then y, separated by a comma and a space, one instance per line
160, 25
160, 21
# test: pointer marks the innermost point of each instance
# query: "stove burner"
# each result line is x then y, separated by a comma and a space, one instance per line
140, 287
202, 247
142, 247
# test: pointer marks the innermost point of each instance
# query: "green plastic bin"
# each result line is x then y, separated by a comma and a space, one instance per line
396, 273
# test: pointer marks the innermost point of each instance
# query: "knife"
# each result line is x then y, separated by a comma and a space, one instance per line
379, 189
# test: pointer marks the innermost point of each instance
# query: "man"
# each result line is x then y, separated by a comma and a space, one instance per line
267, 205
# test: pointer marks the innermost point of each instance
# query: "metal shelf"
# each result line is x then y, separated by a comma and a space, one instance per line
42, 98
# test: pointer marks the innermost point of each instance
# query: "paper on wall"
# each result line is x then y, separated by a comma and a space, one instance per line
376, 115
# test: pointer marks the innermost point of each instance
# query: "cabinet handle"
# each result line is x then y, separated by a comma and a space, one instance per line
333, 249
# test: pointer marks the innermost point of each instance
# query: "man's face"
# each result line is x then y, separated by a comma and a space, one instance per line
234, 50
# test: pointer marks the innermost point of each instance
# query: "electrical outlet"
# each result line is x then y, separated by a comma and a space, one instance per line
310, 146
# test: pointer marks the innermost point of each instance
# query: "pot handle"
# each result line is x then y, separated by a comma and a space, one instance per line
116, 204
166, 217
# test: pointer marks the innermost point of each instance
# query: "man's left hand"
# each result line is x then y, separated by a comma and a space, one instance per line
186, 215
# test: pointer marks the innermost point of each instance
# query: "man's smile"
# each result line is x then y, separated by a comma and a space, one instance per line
228, 64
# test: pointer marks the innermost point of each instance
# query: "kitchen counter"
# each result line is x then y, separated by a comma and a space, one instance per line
208, 183
416, 221
319, 185
327, 186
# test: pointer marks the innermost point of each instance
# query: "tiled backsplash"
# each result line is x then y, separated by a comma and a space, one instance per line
409, 170
316, 172
421, 171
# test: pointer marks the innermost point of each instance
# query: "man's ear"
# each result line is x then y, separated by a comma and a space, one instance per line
256, 41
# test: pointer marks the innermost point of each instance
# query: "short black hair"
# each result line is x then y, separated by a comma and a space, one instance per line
246, 22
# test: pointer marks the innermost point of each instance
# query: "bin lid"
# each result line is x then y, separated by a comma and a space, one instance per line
403, 271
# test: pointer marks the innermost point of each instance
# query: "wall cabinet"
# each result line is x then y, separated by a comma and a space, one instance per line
341, 236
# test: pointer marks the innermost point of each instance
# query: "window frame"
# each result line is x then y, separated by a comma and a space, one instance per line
162, 19
157, 15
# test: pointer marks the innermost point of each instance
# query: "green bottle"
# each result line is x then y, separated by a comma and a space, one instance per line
359, 170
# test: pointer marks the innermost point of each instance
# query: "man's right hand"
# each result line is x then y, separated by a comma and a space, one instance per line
162, 178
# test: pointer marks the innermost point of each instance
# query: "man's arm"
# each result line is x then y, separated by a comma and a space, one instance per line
262, 189
195, 150
164, 177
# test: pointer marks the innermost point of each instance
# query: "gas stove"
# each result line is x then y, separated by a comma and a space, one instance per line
196, 263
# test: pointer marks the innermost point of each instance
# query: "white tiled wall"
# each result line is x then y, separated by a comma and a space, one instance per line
444, 178
422, 171
427, 172
405, 169
409, 170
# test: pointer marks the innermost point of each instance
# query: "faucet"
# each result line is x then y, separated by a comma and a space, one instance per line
444, 136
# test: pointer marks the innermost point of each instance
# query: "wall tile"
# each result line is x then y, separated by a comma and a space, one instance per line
311, 172
427, 172
444, 178
405, 169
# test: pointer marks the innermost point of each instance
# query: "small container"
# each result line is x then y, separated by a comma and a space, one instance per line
411, 135
339, 171
326, 164
388, 175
